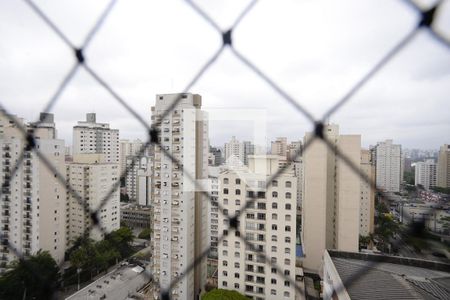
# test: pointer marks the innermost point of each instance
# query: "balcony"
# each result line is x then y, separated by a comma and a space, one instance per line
27, 216
6, 155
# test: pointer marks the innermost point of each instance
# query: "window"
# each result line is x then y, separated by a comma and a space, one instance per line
238, 191
225, 201
238, 181
275, 194
225, 253
274, 238
287, 239
286, 273
225, 181
238, 202
236, 285
237, 244
288, 206
273, 281
237, 254
236, 265
225, 191
274, 249
236, 275
274, 183
274, 217
273, 260
274, 227
286, 294
225, 263
273, 271
225, 212
224, 283
287, 250
288, 195
225, 243
287, 283
287, 217
288, 184
287, 228
273, 292
274, 205
225, 273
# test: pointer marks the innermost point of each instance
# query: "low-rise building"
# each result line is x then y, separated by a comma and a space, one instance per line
135, 215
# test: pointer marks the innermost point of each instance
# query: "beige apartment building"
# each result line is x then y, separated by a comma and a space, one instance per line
269, 225
330, 207
279, 147
92, 137
367, 205
129, 148
92, 179
179, 209
33, 204
443, 167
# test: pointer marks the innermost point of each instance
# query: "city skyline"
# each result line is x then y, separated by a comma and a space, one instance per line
328, 65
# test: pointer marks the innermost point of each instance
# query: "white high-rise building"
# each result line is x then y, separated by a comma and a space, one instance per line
234, 152
330, 207
426, 173
33, 203
144, 181
269, 224
179, 210
92, 137
92, 179
213, 209
367, 205
128, 148
388, 166
443, 167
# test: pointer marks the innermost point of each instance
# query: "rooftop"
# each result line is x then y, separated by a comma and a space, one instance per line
369, 276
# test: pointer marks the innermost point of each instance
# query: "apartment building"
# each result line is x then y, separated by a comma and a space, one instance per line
279, 147
426, 174
33, 201
234, 152
268, 224
139, 170
213, 209
294, 150
330, 207
180, 212
367, 205
388, 166
443, 167
92, 137
92, 179
144, 181
129, 148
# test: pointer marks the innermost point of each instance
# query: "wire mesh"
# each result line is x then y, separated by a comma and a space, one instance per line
425, 23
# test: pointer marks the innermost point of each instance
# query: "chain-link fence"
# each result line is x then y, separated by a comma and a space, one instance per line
425, 23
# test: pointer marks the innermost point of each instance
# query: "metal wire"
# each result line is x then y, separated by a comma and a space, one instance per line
427, 17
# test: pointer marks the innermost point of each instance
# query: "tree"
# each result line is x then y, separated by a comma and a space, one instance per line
121, 240
145, 234
221, 294
35, 277
386, 226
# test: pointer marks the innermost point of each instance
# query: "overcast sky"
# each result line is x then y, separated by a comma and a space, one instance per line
315, 50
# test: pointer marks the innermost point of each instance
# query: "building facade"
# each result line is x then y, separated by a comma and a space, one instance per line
443, 167
330, 207
269, 225
92, 137
179, 210
388, 160
279, 147
33, 201
426, 174
367, 205
92, 180
234, 152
